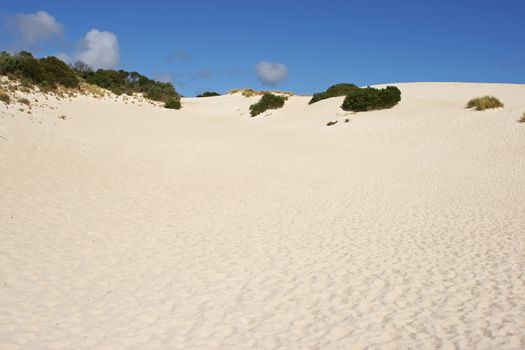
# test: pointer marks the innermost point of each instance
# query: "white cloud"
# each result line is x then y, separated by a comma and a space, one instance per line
271, 73
99, 49
34, 28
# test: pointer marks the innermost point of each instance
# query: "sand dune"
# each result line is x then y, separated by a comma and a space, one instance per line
136, 227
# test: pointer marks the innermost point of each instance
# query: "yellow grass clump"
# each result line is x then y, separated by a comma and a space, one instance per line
483, 103
94, 90
4, 97
247, 92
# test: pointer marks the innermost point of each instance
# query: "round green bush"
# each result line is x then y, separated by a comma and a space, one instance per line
369, 99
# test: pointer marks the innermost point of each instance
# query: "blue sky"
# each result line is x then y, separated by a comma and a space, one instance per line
216, 45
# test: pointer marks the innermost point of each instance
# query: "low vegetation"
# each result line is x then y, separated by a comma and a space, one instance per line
94, 90
251, 92
522, 119
173, 104
368, 99
47, 73
244, 92
267, 101
483, 103
342, 89
123, 82
52, 74
24, 101
4, 97
209, 94
332, 122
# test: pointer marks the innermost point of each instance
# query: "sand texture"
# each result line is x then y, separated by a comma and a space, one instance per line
130, 226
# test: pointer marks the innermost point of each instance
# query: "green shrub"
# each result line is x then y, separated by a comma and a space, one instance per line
334, 91
330, 123
369, 99
485, 102
267, 101
209, 94
173, 104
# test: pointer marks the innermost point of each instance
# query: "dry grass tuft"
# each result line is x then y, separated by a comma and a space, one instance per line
94, 90
24, 101
4, 97
483, 103
522, 120
250, 92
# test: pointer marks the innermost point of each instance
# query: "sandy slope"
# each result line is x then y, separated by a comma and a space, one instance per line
127, 227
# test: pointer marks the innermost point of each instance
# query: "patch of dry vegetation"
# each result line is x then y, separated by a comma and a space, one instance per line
250, 92
4, 97
94, 90
483, 103
24, 101
522, 119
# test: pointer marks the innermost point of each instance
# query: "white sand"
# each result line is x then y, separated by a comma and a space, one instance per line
127, 227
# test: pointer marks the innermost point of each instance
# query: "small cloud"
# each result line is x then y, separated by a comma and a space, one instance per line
164, 78
31, 29
99, 49
183, 56
271, 73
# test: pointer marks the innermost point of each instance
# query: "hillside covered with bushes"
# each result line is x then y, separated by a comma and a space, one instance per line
50, 74
47, 73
